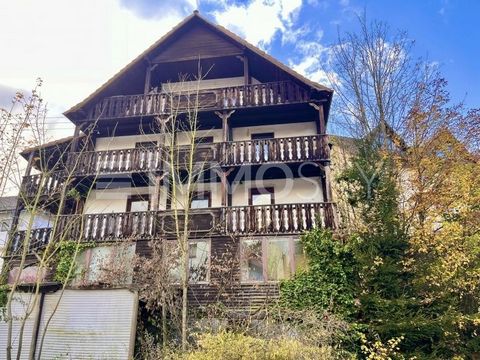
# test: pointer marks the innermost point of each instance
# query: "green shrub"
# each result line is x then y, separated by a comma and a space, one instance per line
328, 283
232, 346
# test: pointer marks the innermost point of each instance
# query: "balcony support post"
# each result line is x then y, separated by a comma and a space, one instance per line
246, 71
224, 116
148, 76
223, 175
325, 167
321, 126
160, 180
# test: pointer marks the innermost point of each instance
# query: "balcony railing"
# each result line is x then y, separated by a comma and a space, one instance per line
277, 150
289, 149
265, 94
278, 219
235, 220
42, 184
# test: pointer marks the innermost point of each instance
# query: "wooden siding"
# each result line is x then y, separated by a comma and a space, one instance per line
197, 43
225, 286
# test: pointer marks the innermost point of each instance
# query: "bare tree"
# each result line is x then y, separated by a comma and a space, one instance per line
374, 77
28, 246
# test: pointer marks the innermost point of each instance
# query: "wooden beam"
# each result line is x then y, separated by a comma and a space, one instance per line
321, 126
225, 115
28, 170
76, 139
246, 71
223, 175
148, 75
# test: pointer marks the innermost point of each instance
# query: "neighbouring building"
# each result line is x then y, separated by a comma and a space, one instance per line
262, 133
8, 205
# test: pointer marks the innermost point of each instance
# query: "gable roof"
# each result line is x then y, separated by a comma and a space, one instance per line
217, 28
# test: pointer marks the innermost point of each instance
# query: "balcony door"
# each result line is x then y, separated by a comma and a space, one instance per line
260, 214
261, 146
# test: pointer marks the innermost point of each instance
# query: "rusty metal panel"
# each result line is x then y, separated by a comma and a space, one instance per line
24, 309
89, 324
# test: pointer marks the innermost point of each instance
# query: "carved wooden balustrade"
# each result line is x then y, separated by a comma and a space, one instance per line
116, 161
38, 239
278, 218
265, 94
289, 149
47, 184
235, 220
235, 153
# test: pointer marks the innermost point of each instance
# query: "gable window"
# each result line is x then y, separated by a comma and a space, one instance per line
136, 203
270, 259
261, 196
262, 145
201, 200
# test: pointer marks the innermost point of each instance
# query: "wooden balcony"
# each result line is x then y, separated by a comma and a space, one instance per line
237, 221
255, 95
115, 161
276, 150
39, 238
278, 219
236, 153
45, 185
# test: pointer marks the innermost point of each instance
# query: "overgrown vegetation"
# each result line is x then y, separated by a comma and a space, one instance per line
405, 273
328, 283
67, 254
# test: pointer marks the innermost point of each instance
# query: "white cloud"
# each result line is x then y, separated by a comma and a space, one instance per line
73, 46
260, 20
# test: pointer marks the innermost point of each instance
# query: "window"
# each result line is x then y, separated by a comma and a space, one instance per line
204, 140
201, 200
260, 136
262, 196
252, 260
198, 261
145, 144
138, 203
270, 259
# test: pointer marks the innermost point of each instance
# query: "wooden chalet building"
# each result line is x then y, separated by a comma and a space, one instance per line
262, 131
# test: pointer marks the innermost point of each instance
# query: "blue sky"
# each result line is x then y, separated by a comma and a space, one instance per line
447, 32
75, 46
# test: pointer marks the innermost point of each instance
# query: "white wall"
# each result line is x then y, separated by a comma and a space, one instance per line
214, 188
287, 191
239, 134
112, 200
205, 84
184, 138
123, 142
279, 130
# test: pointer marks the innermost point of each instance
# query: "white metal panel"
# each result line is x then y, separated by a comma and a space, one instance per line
89, 324
24, 307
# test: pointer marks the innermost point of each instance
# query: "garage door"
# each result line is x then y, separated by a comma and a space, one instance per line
24, 310
88, 324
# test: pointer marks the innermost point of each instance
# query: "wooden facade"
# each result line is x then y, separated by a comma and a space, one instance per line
244, 88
